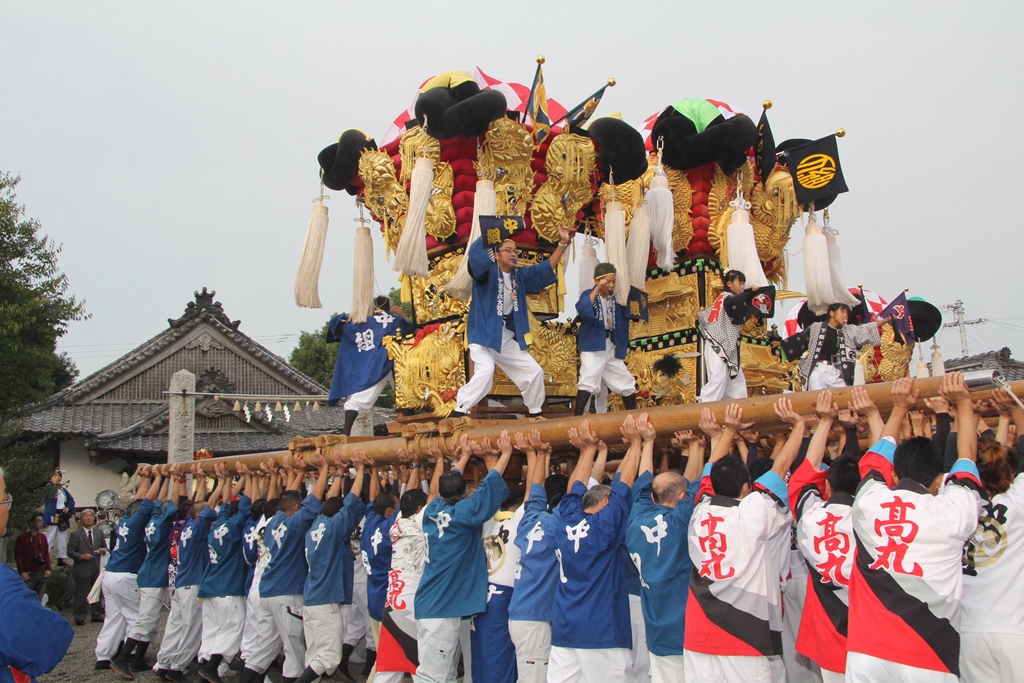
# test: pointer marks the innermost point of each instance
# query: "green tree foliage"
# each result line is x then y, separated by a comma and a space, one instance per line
314, 357
35, 309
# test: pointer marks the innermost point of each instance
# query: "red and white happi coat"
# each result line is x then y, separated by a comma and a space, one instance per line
735, 601
825, 537
907, 580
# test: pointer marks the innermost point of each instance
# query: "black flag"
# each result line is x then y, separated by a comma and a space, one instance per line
816, 170
765, 150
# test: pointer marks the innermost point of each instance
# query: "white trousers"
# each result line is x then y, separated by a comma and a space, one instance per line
151, 602
57, 540
862, 668
362, 401
724, 669
638, 669
519, 365
991, 657
223, 621
532, 640
798, 668
719, 385
183, 632
825, 376
122, 608
574, 665
357, 615
280, 626
833, 676
323, 628
438, 649
597, 367
252, 617
667, 668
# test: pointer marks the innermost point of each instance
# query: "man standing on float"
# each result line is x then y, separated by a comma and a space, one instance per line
498, 329
603, 341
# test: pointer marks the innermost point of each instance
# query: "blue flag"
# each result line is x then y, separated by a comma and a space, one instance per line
899, 310
537, 108
578, 116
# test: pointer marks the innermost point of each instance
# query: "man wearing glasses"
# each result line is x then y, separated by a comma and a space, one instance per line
34, 639
498, 328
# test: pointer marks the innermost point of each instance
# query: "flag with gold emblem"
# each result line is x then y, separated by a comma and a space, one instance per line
578, 116
816, 171
537, 107
765, 150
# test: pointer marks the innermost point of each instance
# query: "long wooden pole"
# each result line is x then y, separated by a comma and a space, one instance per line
666, 420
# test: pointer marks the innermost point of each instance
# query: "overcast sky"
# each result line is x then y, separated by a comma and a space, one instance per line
172, 146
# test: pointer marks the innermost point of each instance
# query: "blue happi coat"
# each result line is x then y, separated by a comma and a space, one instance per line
362, 360
486, 321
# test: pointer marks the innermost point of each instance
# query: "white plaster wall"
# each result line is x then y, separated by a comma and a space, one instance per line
87, 479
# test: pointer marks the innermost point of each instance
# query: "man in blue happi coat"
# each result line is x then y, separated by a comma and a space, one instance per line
222, 589
656, 539
120, 590
603, 341
363, 366
329, 582
498, 329
454, 583
590, 630
151, 580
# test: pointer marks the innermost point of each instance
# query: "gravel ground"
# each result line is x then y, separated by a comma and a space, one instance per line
77, 666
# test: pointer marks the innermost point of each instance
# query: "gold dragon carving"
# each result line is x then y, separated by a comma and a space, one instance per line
682, 199
385, 197
505, 157
896, 357
440, 218
772, 213
554, 349
427, 371
569, 164
429, 298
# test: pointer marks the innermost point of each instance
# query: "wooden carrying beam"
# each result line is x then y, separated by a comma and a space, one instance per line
666, 420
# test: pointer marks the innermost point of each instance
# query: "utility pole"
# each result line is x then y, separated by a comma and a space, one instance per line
959, 321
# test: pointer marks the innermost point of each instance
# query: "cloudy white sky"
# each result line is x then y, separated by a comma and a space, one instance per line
172, 146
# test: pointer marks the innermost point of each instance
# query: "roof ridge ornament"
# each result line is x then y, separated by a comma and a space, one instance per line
204, 301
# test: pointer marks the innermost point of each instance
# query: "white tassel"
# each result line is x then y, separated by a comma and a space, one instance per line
638, 247
840, 293
742, 249
411, 255
615, 248
922, 370
484, 203
663, 216
816, 270
859, 376
587, 263
307, 280
938, 365
362, 277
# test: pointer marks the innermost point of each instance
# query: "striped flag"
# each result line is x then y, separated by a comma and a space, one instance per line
537, 107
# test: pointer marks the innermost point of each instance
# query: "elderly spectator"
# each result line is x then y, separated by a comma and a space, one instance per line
86, 546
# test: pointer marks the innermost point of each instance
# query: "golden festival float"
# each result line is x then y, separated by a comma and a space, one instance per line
698, 189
